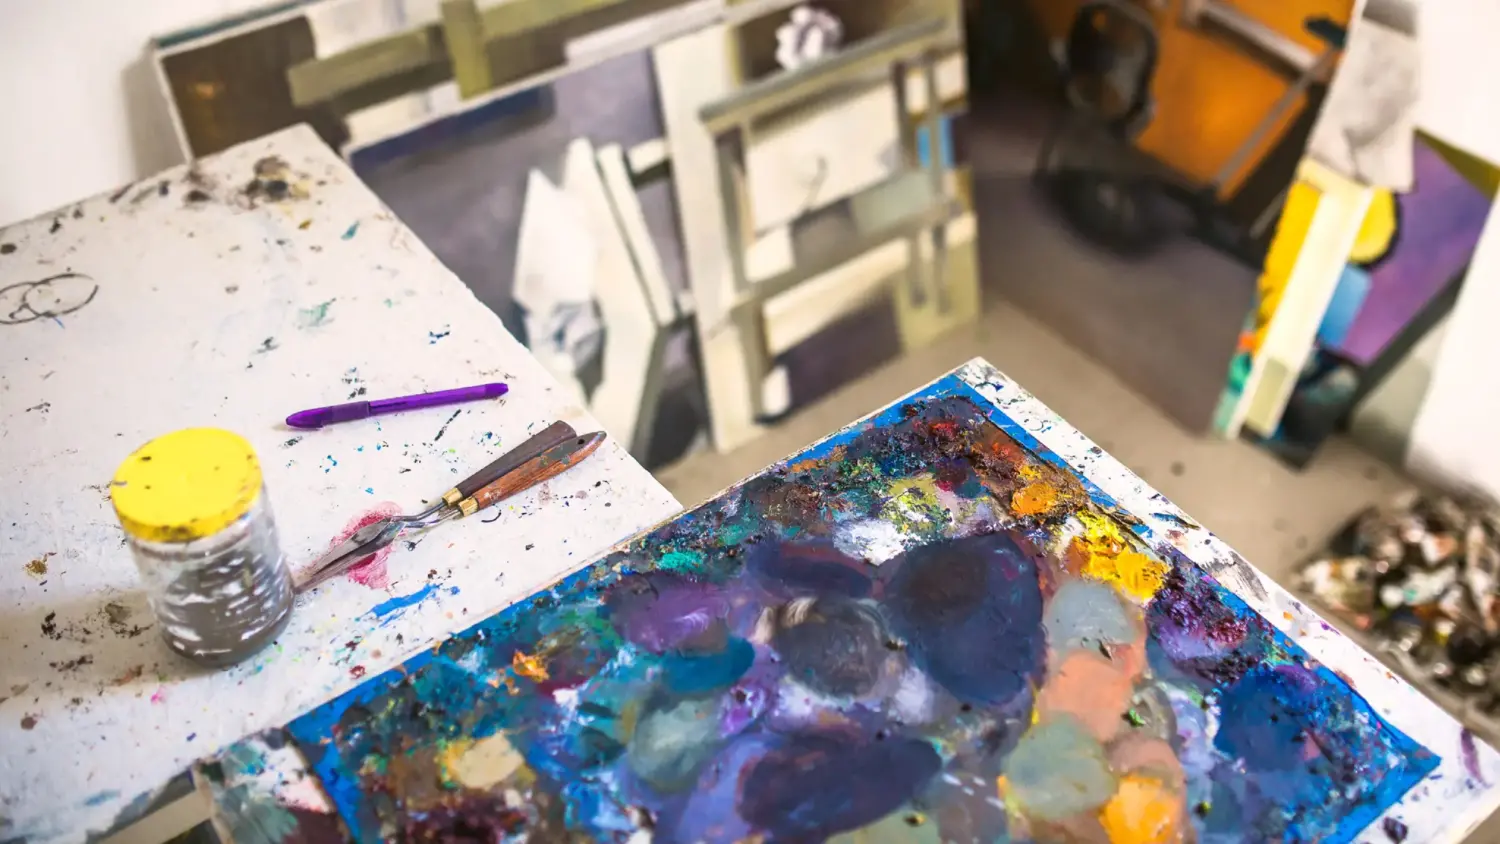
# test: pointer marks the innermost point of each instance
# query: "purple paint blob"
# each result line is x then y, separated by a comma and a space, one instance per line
1190, 623
1470, 755
970, 611
807, 569
820, 784
707, 815
662, 611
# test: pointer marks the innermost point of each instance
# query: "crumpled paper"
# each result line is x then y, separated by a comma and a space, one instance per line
809, 35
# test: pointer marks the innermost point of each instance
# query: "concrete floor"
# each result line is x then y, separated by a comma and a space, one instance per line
1273, 515
1166, 323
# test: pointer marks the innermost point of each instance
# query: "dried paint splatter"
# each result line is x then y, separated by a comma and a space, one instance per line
315, 317
1470, 752
371, 571
38, 567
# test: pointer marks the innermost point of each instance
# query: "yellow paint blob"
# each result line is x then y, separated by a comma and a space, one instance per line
1133, 573
922, 489
1101, 533
530, 667
1034, 499
186, 485
1291, 233
481, 764
1378, 230
1143, 811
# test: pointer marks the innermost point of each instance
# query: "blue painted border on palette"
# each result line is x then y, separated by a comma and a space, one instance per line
1418, 761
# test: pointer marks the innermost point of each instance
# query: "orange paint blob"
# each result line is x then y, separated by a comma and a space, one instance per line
1144, 810
530, 667
1033, 499
1092, 689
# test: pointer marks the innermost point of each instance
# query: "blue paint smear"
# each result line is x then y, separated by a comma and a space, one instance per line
437, 677
101, 797
700, 673
385, 608
945, 143
1348, 298
350, 232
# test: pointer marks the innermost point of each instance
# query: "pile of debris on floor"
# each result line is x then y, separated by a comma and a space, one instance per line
1419, 575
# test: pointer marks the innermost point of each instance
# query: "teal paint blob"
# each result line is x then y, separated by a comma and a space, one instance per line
314, 317
680, 561
692, 674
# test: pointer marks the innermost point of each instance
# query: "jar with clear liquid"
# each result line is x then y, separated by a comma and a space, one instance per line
196, 516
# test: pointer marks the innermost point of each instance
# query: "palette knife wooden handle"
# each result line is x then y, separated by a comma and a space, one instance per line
545, 466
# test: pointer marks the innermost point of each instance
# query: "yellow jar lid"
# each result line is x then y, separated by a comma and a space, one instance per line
186, 485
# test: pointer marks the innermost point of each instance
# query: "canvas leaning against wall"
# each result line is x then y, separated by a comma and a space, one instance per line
685, 210
931, 595
1408, 258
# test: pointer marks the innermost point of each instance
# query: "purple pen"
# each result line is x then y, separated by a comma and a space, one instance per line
320, 416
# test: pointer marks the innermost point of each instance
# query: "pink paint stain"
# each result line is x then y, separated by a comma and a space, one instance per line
371, 571
159, 695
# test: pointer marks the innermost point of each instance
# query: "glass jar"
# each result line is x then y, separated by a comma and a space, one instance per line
195, 512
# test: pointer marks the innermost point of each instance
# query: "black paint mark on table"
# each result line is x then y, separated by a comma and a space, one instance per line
48, 298
443, 430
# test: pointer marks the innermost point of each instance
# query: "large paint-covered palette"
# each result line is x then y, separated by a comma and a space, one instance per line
927, 628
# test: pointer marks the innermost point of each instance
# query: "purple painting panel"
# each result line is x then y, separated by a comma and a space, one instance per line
1439, 224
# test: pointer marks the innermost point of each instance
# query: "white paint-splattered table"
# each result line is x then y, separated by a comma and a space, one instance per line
263, 280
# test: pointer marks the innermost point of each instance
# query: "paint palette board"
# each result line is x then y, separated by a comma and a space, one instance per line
955, 620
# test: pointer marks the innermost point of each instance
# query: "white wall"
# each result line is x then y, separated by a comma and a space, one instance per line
81, 112
1459, 66
1456, 437
1383, 422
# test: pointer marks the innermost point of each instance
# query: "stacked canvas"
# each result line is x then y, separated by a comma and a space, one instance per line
1371, 271
755, 180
